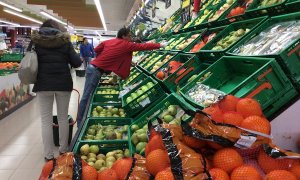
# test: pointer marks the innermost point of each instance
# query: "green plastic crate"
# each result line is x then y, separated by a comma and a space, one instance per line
104, 122
255, 11
14, 57
104, 147
213, 55
102, 98
152, 55
159, 55
136, 105
108, 85
293, 5
191, 64
153, 113
105, 105
172, 54
178, 39
288, 58
204, 35
259, 78
127, 83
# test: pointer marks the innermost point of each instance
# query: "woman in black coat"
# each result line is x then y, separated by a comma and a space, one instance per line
55, 57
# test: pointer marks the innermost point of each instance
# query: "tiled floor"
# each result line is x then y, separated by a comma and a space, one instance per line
21, 143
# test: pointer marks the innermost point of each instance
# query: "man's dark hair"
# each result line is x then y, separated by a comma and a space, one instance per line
53, 24
84, 39
123, 32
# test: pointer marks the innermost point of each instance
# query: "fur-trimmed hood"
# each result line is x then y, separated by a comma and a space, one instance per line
50, 37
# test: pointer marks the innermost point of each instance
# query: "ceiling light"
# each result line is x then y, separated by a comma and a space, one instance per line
10, 6
7, 22
52, 17
22, 16
99, 8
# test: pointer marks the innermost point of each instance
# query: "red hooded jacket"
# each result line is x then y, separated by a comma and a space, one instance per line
116, 55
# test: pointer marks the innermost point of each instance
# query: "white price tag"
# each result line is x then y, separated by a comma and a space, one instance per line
145, 102
245, 141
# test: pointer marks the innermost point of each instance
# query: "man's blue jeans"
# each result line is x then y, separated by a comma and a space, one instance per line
92, 78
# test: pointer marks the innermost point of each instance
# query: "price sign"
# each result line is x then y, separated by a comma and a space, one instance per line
153, 8
168, 3
145, 102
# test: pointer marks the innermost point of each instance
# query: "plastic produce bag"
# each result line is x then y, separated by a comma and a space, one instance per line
138, 170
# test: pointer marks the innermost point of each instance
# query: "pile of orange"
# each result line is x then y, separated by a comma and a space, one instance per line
9, 65
245, 113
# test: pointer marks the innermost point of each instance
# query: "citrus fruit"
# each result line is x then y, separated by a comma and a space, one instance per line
215, 112
227, 159
47, 168
108, 174
215, 145
160, 75
280, 175
156, 143
229, 103
122, 167
296, 171
248, 107
193, 142
157, 160
245, 172
257, 123
218, 174
89, 173
165, 175
269, 164
233, 118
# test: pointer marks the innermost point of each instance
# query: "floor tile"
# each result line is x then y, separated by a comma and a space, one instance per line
32, 162
10, 162
25, 174
15, 149
5, 174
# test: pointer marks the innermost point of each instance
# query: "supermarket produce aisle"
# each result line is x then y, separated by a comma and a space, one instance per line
21, 141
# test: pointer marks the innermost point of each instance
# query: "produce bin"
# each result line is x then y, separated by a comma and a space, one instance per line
178, 39
144, 98
191, 65
56, 130
134, 78
104, 105
212, 55
293, 5
104, 122
255, 11
160, 62
152, 55
104, 147
101, 98
159, 55
288, 58
258, 78
153, 114
13, 57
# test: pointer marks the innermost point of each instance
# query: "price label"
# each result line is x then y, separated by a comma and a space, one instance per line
168, 3
245, 141
145, 102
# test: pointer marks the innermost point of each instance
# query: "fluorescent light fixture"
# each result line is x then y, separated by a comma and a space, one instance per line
99, 8
10, 6
52, 17
10, 23
22, 16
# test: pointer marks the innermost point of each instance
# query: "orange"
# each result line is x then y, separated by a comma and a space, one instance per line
257, 123
65, 159
280, 175
249, 107
165, 175
296, 171
193, 142
122, 167
233, 118
269, 164
215, 145
156, 143
229, 103
89, 173
245, 172
160, 75
156, 161
227, 159
47, 169
218, 174
215, 112
108, 174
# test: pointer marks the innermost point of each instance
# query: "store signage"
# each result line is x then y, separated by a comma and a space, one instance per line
154, 8
168, 3
185, 11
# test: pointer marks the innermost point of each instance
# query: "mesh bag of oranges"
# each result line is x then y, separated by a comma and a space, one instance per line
231, 122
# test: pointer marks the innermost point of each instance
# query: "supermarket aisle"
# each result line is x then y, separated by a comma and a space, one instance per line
21, 142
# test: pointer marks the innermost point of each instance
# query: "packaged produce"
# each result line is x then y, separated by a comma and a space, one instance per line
272, 40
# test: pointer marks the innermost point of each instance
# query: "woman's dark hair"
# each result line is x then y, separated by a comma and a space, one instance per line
123, 32
53, 24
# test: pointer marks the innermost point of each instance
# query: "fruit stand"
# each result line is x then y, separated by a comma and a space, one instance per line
203, 106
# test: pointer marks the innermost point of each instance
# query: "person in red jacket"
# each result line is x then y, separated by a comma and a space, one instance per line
113, 55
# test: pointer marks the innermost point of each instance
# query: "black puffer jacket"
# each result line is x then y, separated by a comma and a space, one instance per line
55, 53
